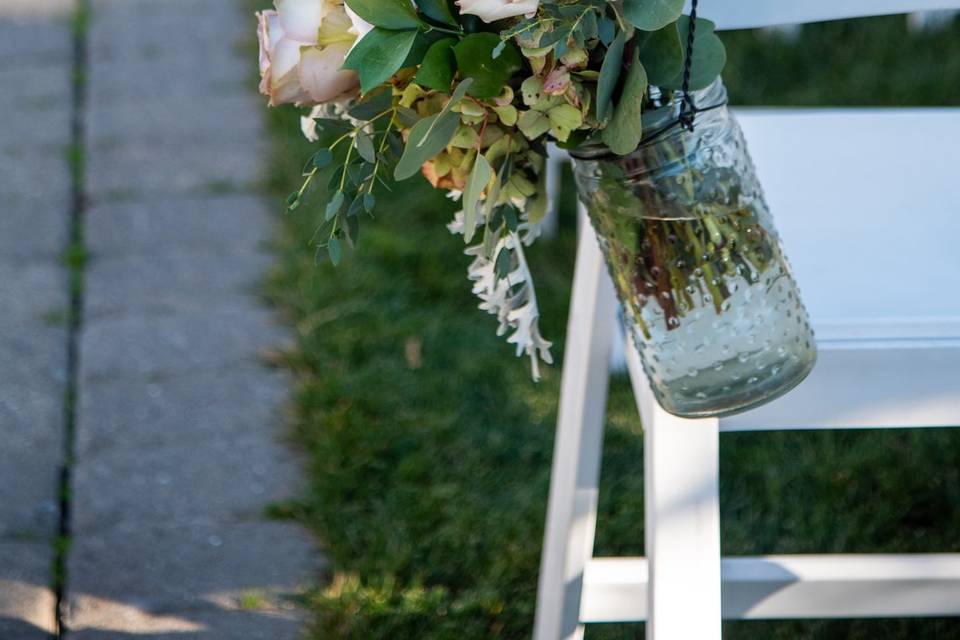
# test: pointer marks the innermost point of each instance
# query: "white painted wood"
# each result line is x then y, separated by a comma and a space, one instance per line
930, 21
866, 203
886, 319
682, 514
747, 14
842, 586
793, 586
681, 471
866, 388
572, 507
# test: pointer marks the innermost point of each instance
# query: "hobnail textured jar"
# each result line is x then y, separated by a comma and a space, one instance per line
697, 263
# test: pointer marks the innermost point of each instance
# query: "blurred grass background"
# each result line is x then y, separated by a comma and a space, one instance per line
430, 447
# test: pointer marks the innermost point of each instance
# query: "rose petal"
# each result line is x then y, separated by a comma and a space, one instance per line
285, 57
321, 76
493, 10
301, 18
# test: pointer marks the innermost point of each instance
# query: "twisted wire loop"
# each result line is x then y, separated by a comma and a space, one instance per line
688, 109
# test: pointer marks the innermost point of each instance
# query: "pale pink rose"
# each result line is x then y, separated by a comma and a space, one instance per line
493, 10
302, 47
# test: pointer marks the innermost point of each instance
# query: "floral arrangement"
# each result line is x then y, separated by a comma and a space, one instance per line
469, 95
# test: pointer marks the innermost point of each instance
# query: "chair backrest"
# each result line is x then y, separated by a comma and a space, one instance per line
747, 14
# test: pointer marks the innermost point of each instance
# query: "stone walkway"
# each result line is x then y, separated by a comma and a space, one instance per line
179, 427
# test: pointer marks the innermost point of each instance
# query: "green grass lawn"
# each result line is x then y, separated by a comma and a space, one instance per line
430, 447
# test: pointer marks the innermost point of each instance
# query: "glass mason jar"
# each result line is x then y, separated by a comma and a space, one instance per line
697, 262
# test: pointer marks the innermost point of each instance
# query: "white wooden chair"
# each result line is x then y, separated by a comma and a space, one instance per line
871, 190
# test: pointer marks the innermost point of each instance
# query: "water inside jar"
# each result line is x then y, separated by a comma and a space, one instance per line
716, 315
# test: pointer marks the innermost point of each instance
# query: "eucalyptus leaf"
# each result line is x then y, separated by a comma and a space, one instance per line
353, 230
354, 208
709, 55
372, 104
609, 74
364, 146
333, 249
293, 201
457, 95
650, 15
322, 158
479, 177
504, 263
333, 207
379, 55
606, 30
438, 66
407, 116
389, 14
427, 138
661, 53
624, 131
510, 218
474, 55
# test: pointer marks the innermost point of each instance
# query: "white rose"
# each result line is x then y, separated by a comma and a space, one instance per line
493, 10
302, 47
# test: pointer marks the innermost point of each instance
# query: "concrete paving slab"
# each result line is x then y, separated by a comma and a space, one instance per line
32, 376
210, 224
197, 407
170, 283
34, 228
37, 115
30, 176
225, 479
29, 509
142, 579
26, 601
175, 119
33, 39
35, 67
158, 347
179, 443
161, 80
127, 172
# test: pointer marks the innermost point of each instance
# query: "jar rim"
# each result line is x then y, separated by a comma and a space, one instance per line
661, 119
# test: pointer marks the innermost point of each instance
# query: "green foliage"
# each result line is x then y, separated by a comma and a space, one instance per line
709, 55
427, 138
438, 10
624, 131
438, 66
609, 75
661, 53
389, 14
431, 511
372, 104
477, 182
379, 55
475, 60
650, 15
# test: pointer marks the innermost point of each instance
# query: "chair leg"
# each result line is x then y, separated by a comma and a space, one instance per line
572, 507
682, 504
